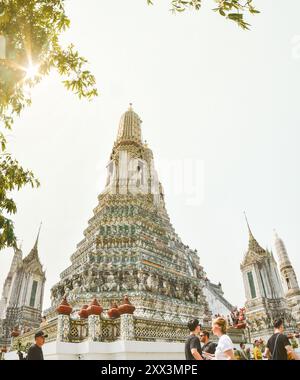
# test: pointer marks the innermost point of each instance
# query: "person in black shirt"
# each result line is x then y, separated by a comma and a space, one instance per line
278, 346
35, 351
208, 345
192, 345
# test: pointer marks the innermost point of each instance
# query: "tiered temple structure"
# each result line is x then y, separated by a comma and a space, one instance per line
130, 249
289, 279
265, 299
22, 296
130, 246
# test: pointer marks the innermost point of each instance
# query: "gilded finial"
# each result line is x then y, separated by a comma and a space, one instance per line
38, 235
253, 244
247, 223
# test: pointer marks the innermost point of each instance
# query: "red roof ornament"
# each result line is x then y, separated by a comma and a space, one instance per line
83, 312
126, 307
64, 308
94, 308
113, 312
241, 325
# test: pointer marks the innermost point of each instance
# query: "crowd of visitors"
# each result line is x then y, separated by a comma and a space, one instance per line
201, 345
278, 346
235, 319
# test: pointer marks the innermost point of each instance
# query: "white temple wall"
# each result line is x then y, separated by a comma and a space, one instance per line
42, 296
110, 176
123, 171
37, 303
154, 183
289, 274
2, 308
265, 284
7, 287
28, 291
23, 292
11, 290
215, 305
277, 281
257, 282
119, 350
246, 286
138, 179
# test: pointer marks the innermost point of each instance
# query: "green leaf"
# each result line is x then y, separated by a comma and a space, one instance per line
235, 16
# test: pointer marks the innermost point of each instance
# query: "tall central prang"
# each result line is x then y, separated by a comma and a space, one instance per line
130, 246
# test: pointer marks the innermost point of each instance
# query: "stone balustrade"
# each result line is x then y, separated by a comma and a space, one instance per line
24, 341
94, 326
100, 329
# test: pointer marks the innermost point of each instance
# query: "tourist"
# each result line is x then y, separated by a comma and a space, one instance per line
243, 353
278, 346
237, 354
193, 349
294, 342
228, 320
248, 353
224, 349
257, 353
43, 322
35, 352
208, 345
21, 355
262, 345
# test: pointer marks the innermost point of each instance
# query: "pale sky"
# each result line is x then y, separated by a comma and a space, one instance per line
220, 107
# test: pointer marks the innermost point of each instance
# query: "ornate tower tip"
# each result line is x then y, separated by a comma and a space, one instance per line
38, 235
276, 236
252, 241
19, 245
249, 229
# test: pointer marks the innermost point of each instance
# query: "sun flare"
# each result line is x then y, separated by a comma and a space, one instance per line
31, 72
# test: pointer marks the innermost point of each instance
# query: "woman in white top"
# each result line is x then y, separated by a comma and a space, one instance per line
224, 350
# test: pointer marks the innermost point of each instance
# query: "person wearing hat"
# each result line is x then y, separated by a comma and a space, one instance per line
193, 349
35, 352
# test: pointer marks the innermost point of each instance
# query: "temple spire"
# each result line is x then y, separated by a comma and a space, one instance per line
16, 261
249, 229
37, 237
253, 244
130, 127
34, 251
281, 251
288, 274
